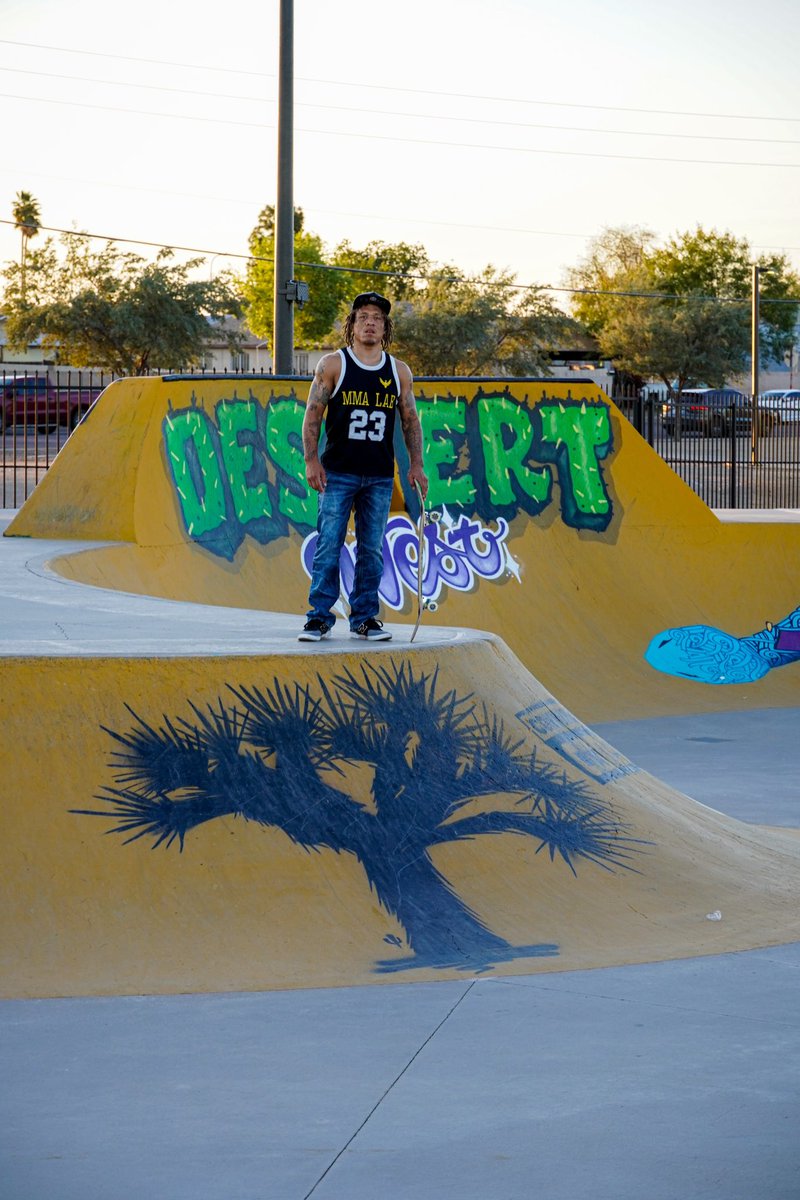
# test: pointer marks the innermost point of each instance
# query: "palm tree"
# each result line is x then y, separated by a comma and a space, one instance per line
27, 219
436, 758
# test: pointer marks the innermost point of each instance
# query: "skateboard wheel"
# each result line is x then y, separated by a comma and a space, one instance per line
434, 515
431, 605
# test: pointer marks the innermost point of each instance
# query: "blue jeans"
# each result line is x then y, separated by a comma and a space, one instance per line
371, 497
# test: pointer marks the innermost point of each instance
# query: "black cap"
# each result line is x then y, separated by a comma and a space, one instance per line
372, 298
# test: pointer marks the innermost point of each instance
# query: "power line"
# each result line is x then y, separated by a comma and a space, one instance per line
488, 228
148, 87
460, 224
402, 220
137, 112
655, 112
661, 112
381, 137
153, 62
702, 137
107, 237
436, 276
417, 116
405, 219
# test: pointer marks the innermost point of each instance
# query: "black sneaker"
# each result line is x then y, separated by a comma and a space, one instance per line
372, 630
314, 630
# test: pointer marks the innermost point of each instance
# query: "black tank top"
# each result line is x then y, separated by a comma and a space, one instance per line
359, 423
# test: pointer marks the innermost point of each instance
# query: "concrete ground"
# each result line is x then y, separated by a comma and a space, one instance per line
663, 1081
745, 764
670, 1081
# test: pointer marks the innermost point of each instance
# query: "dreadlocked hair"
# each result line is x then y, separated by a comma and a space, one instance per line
350, 324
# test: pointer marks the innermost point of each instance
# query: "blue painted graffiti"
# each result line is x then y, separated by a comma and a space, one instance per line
434, 756
709, 655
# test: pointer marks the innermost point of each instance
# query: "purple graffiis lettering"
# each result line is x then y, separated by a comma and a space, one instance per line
455, 557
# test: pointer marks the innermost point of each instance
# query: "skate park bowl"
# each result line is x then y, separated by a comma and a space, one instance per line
200, 819
561, 530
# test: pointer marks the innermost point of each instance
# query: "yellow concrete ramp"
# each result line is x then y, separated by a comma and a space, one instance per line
561, 531
336, 818
313, 815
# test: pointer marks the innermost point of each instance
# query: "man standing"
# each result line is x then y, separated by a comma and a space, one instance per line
362, 387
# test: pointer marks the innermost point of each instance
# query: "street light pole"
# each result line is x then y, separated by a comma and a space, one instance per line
283, 326
754, 363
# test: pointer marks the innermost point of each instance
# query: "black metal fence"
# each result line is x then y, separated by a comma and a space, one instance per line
722, 460
38, 412
738, 456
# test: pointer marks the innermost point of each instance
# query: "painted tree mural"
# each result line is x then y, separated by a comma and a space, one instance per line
435, 758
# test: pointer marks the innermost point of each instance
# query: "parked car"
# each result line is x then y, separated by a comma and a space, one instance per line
783, 406
709, 411
34, 400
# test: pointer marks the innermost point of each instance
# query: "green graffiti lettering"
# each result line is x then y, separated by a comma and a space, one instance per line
296, 500
193, 459
506, 437
243, 474
575, 436
237, 421
444, 431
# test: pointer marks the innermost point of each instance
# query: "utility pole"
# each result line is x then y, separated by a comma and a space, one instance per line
754, 363
284, 296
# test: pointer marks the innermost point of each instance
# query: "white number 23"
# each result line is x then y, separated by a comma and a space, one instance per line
365, 425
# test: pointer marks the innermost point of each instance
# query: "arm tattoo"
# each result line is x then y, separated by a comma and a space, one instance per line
412, 431
318, 396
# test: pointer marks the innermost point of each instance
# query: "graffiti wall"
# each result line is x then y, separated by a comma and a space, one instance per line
557, 528
237, 472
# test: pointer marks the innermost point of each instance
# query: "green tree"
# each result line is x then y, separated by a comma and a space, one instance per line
615, 262
483, 326
681, 312
707, 263
684, 343
27, 219
397, 266
314, 322
116, 310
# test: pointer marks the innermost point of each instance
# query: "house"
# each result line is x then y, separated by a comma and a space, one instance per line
774, 376
32, 358
250, 354
583, 366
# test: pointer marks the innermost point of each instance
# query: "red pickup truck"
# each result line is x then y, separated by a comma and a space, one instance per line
35, 400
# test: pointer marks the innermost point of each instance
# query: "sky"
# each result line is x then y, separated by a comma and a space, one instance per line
507, 133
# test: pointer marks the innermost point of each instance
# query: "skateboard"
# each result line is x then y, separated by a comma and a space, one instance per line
424, 604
